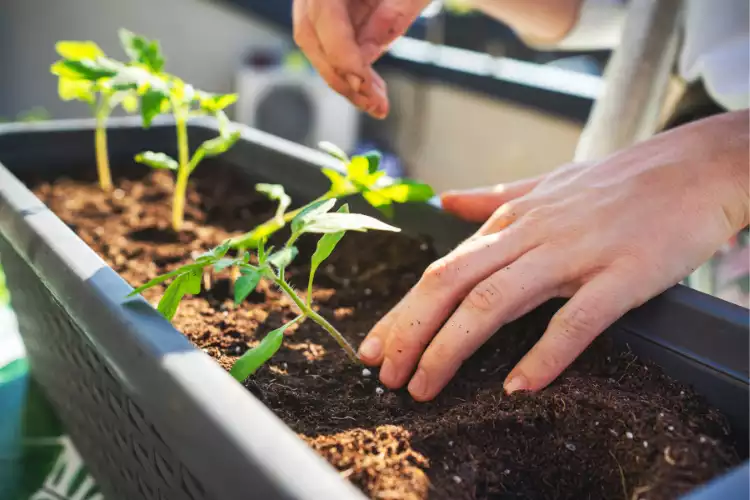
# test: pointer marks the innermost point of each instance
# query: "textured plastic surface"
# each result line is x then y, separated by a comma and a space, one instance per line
155, 417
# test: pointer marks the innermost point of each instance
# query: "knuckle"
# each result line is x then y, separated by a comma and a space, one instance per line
438, 272
403, 342
577, 324
485, 297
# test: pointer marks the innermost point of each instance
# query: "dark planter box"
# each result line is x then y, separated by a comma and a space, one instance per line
155, 417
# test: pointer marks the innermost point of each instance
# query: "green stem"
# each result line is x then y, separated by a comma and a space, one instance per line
178, 204
308, 311
100, 139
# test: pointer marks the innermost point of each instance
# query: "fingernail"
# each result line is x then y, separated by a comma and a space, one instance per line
418, 384
516, 383
354, 82
371, 348
389, 373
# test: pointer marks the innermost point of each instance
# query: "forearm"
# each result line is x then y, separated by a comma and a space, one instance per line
539, 21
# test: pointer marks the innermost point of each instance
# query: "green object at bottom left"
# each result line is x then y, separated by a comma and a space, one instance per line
37, 459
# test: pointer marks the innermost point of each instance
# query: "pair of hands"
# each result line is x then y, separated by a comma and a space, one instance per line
608, 235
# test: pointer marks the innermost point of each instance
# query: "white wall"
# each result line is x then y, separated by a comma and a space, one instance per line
203, 42
455, 139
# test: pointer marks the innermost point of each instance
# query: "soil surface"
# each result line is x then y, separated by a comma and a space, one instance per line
610, 427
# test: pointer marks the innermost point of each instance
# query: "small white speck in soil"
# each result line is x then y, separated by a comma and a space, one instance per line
613, 432
366, 372
379, 391
450, 443
423, 247
506, 471
682, 393
483, 370
670, 428
456, 479
702, 439
570, 446
368, 291
596, 423
645, 444
629, 435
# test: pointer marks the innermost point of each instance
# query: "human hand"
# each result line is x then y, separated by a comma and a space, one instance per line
343, 38
611, 235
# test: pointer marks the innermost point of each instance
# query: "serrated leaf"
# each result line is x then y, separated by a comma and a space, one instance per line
334, 151
283, 257
157, 160
164, 277
245, 284
373, 161
253, 359
334, 222
340, 186
189, 282
141, 49
276, 192
75, 51
312, 209
215, 253
403, 191
69, 89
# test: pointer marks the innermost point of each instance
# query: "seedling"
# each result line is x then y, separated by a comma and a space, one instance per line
315, 218
86, 74
184, 102
361, 176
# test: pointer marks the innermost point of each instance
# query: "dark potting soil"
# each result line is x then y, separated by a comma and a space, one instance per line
610, 427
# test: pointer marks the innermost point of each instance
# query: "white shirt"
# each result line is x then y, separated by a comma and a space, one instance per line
716, 43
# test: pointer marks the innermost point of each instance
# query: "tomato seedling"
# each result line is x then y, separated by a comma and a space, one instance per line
86, 74
314, 218
361, 176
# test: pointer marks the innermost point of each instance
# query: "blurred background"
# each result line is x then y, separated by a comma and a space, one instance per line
509, 111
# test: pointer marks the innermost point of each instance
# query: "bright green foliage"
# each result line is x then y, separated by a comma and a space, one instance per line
175, 96
315, 217
360, 176
4, 294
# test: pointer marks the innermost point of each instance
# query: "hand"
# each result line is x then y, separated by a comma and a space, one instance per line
343, 38
611, 235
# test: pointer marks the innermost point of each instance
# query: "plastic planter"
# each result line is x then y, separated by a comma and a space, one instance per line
155, 417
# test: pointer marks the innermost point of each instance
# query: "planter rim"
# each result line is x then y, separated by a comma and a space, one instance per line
206, 388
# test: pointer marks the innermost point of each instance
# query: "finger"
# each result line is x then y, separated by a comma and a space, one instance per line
597, 305
387, 22
307, 40
442, 287
372, 349
333, 27
477, 205
503, 297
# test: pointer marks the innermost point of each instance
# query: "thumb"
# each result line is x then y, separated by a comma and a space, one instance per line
476, 205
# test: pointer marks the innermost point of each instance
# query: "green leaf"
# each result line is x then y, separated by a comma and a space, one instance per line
245, 284
323, 250
276, 192
358, 168
219, 145
334, 151
85, 69
340, 186
253, 359
215, 253
152, 102
70, 89
312, 209
156, 281
373, 160
222, 264
283, 257
141, 49
332, 223
189, 282
157, 160
213, 103
404, 190
75, 51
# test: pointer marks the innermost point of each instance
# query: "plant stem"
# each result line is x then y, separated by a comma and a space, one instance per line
100, 139
308, 311
178, 203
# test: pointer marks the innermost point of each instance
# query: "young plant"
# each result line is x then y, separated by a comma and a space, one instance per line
361, 176
184, 102
314, 218
86, 74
